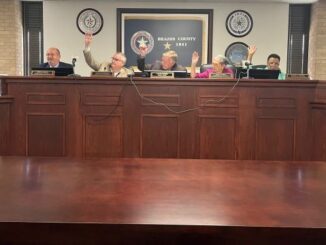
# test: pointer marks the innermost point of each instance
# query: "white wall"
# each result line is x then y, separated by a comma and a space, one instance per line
269, 31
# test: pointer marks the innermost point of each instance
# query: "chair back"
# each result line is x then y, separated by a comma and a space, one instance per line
204, 67
258, 66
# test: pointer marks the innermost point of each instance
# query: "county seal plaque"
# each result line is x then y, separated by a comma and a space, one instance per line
239, 23
89, 21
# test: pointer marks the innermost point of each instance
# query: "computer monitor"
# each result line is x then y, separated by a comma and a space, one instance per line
257, 73
59, 71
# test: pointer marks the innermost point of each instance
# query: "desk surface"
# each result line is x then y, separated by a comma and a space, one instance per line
169, 191
177, 192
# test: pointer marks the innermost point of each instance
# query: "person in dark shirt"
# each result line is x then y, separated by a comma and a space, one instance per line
168, 61
272, 63
53, 57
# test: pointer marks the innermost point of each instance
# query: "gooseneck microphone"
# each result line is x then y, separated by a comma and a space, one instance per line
247, 64
74, 60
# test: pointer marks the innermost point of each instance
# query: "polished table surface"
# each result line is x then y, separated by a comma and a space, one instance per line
158, 193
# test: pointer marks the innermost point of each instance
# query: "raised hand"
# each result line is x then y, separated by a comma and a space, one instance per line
88, 38
143, 49
195, 58
251, 51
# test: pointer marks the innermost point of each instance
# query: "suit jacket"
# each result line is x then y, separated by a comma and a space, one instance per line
61, 65
156, 66
103, 66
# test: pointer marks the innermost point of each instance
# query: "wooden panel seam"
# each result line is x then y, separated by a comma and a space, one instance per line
275, 102
45, 101
117, 99
155, 98
210, 99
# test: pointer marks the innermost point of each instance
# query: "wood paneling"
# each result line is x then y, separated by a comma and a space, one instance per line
159, 99
206, 100
319, 131
217, 137
319, 123
160, 136
93, 99
45, 134
181, 118
275, 139
45, 99
5, 104
103, 136
276, 102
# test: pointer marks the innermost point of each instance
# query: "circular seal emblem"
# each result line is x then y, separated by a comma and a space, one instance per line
89, 20
236, 53
239, 23
142, 39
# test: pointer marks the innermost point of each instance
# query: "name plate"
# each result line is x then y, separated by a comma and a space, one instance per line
219, 75
297, 76
162, 74
43, 73
101, 74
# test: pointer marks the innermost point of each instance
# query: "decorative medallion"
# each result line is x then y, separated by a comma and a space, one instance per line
239, 23
89, 20
236, 53
142, 39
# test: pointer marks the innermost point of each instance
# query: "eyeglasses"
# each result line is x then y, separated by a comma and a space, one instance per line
116, 59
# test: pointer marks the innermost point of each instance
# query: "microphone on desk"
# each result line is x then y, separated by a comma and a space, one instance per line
74, 60
132, 71
107, 68
247, 64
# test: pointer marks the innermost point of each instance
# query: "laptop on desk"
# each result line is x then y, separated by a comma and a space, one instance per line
257, 73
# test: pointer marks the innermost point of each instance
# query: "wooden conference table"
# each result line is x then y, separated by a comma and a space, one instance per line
161, 201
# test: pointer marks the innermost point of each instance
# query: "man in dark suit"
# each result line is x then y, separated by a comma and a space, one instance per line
53, 57
168, 61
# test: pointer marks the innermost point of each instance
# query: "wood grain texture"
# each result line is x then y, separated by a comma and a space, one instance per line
258, 119
67, 200
5, 108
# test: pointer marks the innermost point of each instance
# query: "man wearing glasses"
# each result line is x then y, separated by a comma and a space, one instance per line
168, 61
116, 66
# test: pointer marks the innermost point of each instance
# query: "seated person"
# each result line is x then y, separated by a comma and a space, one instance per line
219, 67
168, 61
53, 60
273, 61
116, 66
